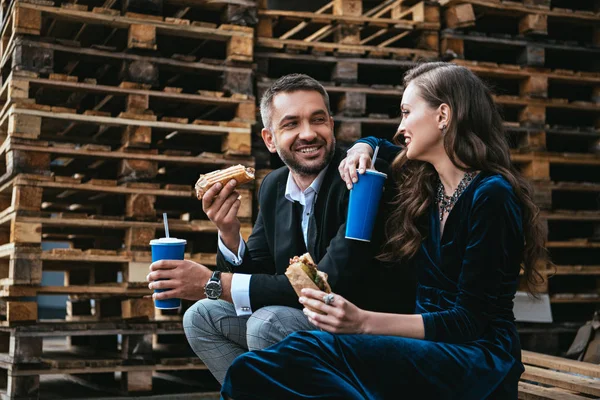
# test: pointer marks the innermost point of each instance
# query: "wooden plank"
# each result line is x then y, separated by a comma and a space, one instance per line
529, 391
561, 364
345, 47
21, 311
563, 380
123, 22
203, 129
520, 8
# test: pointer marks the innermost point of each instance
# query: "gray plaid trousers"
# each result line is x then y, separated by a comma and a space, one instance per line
217, 335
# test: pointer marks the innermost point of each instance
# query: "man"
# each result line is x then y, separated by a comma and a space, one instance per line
302, 207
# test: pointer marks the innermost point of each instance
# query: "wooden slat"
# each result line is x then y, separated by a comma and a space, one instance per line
561, 364
529, 391
563, 380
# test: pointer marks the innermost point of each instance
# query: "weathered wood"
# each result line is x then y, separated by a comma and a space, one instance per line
27, 21
561, 364
24, 126
24, 349
345, 72
22, 387
142, 37
238, 82
534, 24
460, 16
26, 198
534, 56
348, 132
537, 170
137, 136
240, 48
239, 15
139, 238
353, 104
562, 380
237, 144
533, 114
29, 58
137, 103
140, 206
25, 265
18, 161
453, 46
137, 170
139, 71
21, 311
534, 86
137, 308
246, 112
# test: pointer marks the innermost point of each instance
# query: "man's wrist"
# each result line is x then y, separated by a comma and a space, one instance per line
226, 285
231, 240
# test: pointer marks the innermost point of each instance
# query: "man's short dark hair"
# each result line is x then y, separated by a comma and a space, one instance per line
287, 84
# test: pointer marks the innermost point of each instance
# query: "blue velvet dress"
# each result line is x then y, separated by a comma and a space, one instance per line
467, 280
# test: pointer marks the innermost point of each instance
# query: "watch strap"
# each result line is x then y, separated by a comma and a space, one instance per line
216, 276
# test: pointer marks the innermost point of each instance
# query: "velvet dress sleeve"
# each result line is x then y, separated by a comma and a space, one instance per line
387, 150
490, 266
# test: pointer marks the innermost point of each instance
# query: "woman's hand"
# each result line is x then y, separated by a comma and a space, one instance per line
340, 316
358, 157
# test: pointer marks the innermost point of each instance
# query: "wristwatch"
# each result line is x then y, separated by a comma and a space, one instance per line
213, 288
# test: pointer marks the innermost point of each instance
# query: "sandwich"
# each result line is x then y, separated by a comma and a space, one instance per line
303, 273
238, 172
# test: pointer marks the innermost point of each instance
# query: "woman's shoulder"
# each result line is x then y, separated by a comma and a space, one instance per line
493, 186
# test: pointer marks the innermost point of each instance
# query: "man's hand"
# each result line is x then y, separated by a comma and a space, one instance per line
358, 157
183, 279
221, 205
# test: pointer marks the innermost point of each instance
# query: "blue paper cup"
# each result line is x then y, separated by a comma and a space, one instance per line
167, 249
364, 204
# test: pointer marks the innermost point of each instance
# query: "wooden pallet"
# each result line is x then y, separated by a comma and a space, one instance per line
206, 14
168, 104
507, 17
516, 50
551, 377
131, 130
105, 27
106, 66
387, 30
93, 353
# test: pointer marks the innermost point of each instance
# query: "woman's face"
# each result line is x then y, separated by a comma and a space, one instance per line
421, 126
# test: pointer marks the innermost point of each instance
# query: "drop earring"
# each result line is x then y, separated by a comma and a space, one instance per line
443, 129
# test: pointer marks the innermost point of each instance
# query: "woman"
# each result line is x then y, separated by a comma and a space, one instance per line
464, 218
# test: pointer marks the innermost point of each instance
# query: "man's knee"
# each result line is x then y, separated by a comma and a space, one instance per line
200, 317
270, 325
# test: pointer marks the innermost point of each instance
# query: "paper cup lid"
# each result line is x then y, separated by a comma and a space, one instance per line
375, 172
169, 240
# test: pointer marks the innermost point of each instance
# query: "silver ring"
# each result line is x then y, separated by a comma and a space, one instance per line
328, 298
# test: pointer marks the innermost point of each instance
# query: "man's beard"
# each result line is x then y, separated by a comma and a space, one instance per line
306, 170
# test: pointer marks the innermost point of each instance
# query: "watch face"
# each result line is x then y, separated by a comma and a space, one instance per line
213, 290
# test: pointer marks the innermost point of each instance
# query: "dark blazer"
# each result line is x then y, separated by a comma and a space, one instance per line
277, 237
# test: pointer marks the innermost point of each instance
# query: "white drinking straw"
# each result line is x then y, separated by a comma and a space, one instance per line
374, 157
166, 224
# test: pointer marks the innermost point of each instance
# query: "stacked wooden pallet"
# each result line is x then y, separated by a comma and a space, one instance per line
357, 49
541, 60
556, 378
110, 111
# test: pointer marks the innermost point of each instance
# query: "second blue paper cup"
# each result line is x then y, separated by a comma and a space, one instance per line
364, 204
167, 249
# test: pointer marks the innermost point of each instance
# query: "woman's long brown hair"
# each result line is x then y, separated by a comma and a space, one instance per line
475, 137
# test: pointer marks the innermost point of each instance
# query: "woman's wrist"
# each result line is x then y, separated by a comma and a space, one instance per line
365, 322
360, 147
